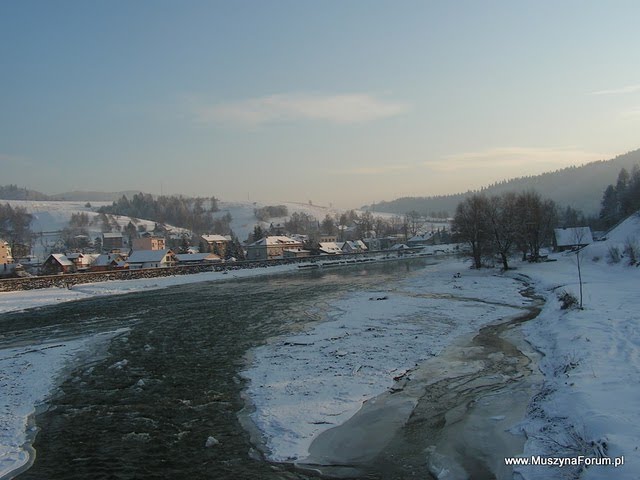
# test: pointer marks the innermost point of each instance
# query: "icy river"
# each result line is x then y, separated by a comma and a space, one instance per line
179, 390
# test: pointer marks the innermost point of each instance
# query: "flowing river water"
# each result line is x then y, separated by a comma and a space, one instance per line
146, 405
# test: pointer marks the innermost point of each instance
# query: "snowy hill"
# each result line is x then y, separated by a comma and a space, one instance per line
51, 217
591, 359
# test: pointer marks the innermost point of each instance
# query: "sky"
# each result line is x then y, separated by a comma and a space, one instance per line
341, 103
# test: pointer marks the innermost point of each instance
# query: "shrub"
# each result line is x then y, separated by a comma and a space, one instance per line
568, 300
613, 255
632, 250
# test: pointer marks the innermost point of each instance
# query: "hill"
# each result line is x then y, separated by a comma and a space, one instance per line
83, 196
579, 187
13, 192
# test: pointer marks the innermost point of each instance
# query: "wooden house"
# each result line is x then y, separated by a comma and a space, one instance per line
57, 263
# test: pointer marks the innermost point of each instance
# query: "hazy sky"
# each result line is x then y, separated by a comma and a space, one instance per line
347, 102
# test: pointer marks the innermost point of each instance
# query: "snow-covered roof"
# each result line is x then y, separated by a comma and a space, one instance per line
196, 257
106, 259
399, 246
62, 259
112, 235
216, 238
144, 256
330, 247
566, 237
275, 240
354, 245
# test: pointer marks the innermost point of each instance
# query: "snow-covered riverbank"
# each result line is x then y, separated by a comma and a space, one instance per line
28, 376
588, 404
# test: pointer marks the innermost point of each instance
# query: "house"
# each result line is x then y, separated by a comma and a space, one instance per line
383, 243
295, 253
5, 252
271, 247
112, 241
277, 229
217, 244
108, 261
148, 242
197, 258
57, 263
330, 248
81, 261
354, 246
325, 237
420, 240
571, 238
151, 259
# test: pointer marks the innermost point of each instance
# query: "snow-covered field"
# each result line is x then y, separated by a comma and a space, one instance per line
50, 217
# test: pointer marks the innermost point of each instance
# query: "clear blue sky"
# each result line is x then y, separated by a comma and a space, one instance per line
342, 102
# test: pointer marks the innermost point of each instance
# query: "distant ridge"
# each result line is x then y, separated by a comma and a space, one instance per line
579, 187
13, 192
81, 196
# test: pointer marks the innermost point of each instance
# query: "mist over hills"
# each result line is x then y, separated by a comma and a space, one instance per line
579, 187
13, 192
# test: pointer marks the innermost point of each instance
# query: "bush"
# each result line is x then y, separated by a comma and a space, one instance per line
613, 255
632, 250
568, 300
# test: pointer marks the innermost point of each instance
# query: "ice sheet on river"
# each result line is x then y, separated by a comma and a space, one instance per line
308, 382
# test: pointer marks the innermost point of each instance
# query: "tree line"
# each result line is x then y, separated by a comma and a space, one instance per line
351, 225
195, 214
502, 224
622, 198
15, 229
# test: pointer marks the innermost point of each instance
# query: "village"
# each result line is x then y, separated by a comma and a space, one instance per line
151, 250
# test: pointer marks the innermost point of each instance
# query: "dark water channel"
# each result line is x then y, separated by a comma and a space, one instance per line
146, 406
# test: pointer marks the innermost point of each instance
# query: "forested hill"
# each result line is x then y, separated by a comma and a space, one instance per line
13, 192
579, 187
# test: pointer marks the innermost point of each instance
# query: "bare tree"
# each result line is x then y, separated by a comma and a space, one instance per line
536, 218
579, 235
471, 226
413, 222
502, 216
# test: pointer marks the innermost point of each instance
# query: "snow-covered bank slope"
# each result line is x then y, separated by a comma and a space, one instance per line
590, 402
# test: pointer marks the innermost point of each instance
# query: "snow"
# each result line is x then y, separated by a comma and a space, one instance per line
50, 217
587, 405
305, 383
589, 402
27, 378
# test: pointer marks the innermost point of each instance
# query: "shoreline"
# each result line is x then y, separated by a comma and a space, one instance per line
15, 301
288, 436
355, 447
